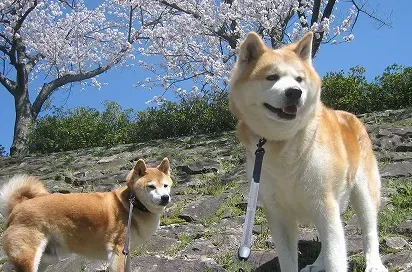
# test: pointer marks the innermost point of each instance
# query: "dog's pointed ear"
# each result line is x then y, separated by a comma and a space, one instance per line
251, 48
164, 166
303, 48
140, 168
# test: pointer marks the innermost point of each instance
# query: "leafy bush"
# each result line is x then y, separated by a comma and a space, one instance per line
353, 93
85, 127
80, 128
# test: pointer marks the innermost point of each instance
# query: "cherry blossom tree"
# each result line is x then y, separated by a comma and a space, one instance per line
199, 40
63, 42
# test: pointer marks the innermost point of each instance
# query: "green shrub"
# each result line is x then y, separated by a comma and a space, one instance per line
353, 93
86, 127
80, 128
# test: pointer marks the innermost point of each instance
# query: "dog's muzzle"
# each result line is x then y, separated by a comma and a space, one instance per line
164, 200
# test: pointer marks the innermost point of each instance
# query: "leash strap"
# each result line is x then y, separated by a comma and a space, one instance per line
244, 249
126, 248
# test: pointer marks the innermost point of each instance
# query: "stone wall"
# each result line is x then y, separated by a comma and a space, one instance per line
201, 231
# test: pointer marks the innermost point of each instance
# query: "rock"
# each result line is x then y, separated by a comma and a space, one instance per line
405, 147
159, 244
398, 261
107, 159
200, 210
383, 132
404, 132
354, 244
396, 242
207, 241
405, 227
390, 143
199, 167
156, 264
397, 170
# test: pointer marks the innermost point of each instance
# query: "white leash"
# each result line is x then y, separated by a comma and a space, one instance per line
244, 249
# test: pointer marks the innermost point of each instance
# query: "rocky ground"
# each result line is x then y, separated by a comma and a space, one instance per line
201, 231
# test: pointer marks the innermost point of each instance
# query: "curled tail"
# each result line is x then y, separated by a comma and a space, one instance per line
18, 189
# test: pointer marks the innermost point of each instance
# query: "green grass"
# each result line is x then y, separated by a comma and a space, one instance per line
260, 241
230, 205
401, 207
231, 264
209, 184
98, 153
357, 263
184, 241
173, 217
399, 123
347, 215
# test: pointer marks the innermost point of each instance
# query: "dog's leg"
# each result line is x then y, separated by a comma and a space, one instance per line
118, 262
24, 248
333, 253
366, 208
283, 227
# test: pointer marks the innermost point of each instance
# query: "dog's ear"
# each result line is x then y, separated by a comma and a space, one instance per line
140, 168
164, 166
251, 48
303, 48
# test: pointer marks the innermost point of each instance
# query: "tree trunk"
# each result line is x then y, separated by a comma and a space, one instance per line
23, 123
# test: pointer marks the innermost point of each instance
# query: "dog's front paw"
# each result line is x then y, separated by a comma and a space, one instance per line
376, 268
313, 268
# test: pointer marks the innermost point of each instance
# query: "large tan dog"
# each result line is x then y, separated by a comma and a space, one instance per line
43, 227
316, 158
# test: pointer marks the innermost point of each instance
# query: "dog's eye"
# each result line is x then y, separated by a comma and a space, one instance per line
151, 186
299, 79
165, 185
273, 77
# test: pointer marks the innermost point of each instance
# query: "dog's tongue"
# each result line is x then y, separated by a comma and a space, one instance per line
292, 110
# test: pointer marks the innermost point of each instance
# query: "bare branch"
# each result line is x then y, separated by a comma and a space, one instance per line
5, 50
129, 34
10, 85
19, 22
33, 60
304, 23
315, 12
326, 14
361, 9
50, 87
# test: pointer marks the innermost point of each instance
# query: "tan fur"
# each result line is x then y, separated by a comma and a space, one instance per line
89, 224
315, 160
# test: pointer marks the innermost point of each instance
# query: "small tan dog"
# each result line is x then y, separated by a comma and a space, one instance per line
316, 158
43, 227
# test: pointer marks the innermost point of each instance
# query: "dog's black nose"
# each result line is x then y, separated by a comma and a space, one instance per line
165, 199
293, 94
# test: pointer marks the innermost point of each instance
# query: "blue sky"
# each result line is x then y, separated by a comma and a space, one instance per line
372, 48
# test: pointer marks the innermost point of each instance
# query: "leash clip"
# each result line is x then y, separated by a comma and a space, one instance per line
259, 145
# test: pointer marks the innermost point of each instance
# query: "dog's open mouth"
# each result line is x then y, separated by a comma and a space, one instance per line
288, 113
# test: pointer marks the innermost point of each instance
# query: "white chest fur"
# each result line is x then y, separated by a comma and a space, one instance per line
291, 177
144, 229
